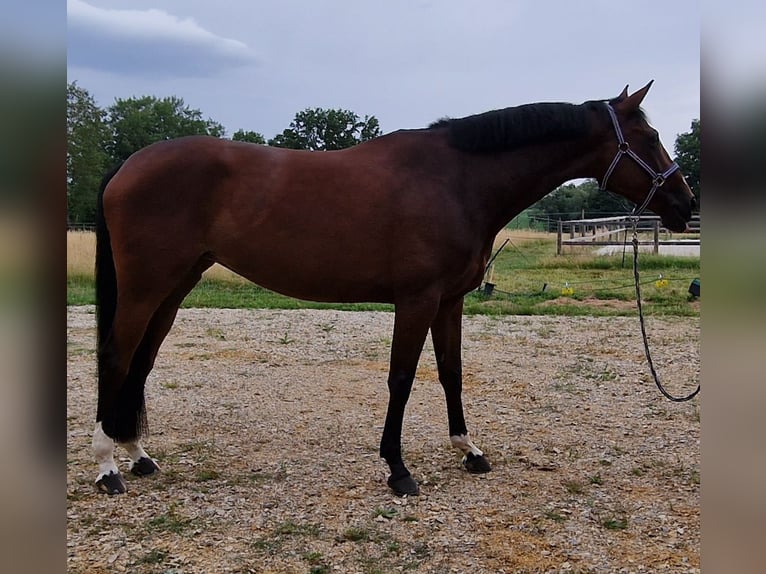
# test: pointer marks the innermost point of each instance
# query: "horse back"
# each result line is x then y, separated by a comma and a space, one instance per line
349, 225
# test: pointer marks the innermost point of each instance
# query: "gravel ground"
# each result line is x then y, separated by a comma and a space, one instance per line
266, 425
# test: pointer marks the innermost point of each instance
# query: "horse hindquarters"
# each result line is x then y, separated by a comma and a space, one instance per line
136, 309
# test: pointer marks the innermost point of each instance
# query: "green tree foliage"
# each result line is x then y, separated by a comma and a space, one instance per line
248, 136
138, 122
319, 129
572, 201
86, 158
688, 156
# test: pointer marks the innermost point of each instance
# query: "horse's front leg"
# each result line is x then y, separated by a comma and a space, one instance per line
410, 330
446, 332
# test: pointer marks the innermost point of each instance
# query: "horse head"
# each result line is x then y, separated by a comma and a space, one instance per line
637, 166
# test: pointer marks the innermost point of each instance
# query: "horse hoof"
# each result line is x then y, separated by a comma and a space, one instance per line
405, 486
111, 483
144, 466
476, 464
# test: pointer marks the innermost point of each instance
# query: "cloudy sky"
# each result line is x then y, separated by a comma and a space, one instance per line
254, 64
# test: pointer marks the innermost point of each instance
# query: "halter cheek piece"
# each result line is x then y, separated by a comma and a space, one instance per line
623, 149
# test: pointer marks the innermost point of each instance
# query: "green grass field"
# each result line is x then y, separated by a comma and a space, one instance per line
529, 279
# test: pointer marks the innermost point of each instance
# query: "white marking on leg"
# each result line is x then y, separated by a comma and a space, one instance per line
465, 445
103, 449
136, 452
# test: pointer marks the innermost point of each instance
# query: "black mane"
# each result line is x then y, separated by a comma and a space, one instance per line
510, 128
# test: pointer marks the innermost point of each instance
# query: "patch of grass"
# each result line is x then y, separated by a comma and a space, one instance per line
317, 562
694, 477
356, 534
216, 333
618, 450
199, 448
290, 528
385, 512
206, 475
596, 479
80, 289
153, 557
638, 471
566, 387
313, 557
266, 545
574, 486
615, 523
256, 476
553, 515
170, 521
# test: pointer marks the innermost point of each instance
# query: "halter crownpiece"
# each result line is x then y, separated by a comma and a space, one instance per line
623, 148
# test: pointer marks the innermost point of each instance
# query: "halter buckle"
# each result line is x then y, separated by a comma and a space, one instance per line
659, 180
623, 147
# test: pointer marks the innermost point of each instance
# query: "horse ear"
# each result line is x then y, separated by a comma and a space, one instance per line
624, 94
633, 101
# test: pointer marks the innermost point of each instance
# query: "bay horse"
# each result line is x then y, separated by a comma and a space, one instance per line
408, 218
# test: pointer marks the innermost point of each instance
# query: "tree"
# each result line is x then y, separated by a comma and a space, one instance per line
86, 158
687, 150
248, 136
138, 122
571, 201
319, 129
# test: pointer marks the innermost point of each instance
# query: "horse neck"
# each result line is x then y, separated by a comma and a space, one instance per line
509, 182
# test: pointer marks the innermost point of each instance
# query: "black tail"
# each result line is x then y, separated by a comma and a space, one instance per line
121, 406
106, 278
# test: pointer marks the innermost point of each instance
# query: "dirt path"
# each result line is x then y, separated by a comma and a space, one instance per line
266, 425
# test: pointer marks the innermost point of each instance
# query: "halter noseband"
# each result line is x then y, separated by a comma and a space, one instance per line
623, 148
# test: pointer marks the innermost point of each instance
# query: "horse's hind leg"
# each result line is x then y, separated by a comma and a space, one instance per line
143, 361
120, 408
124, 416
446, 332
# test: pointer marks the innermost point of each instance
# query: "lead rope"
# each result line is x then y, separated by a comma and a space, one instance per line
643, 327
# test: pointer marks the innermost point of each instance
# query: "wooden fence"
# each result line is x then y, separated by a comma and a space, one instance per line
603, 231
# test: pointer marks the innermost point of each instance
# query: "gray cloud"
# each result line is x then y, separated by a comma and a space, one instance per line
148, 42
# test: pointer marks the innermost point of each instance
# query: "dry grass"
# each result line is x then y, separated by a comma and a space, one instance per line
520, 236
80, 252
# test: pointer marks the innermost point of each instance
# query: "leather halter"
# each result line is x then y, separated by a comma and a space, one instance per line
623, 149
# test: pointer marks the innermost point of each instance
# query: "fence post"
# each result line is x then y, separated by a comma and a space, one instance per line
656, 237
558, 238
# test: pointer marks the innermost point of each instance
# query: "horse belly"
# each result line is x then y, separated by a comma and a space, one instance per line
316, 270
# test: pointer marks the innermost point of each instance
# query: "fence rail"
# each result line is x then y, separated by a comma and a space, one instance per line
81, 227
605, 231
